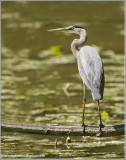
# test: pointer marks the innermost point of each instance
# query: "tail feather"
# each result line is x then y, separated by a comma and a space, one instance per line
97, 94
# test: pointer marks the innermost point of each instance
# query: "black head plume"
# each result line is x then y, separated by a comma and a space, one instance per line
77, 26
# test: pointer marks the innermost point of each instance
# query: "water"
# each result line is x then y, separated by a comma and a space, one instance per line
40, 81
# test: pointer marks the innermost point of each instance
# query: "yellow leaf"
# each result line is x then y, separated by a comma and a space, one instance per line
104, 115
57, 50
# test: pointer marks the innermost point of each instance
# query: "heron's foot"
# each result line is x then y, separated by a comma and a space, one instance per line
100, 130
101, 125
83, 125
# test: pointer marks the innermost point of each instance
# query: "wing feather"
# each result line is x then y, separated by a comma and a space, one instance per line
92, 65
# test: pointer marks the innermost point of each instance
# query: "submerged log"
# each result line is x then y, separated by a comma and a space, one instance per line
64, 130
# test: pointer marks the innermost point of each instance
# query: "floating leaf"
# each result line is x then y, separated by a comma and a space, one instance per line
104, 115
57, 50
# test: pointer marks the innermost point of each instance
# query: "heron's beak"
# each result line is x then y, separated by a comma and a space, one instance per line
58, 30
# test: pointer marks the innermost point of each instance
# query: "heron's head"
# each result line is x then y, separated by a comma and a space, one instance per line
71, 29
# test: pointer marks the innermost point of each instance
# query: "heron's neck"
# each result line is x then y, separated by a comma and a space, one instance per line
78, 42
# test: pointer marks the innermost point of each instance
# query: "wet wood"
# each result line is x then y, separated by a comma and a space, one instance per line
64, 130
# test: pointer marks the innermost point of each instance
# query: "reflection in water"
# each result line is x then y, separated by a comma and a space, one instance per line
41, 86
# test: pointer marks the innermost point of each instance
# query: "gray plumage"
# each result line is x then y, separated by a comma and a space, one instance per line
91, 70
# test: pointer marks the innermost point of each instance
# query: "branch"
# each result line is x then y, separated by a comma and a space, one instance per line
64, 130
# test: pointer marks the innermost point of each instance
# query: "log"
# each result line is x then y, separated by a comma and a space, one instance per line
112, 130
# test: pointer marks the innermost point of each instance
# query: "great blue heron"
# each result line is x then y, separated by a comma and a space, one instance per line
90, 66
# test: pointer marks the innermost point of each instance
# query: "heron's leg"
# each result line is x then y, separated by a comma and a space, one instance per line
100, 125
84, 101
